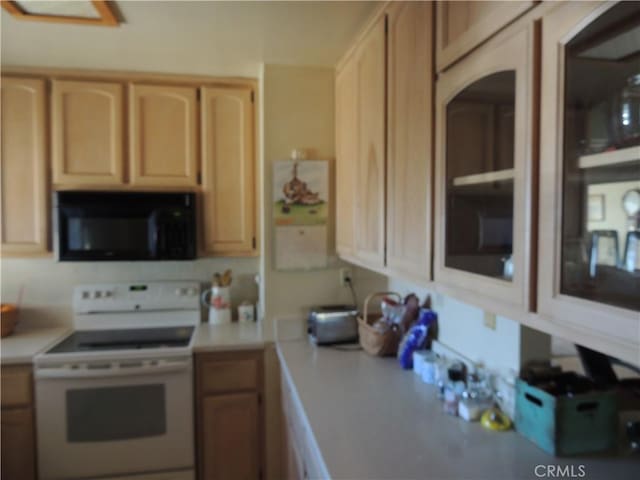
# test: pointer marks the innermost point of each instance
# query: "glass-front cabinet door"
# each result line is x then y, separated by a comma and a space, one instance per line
590, 171
483, 173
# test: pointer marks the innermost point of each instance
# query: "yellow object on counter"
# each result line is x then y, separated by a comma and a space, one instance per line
494, 419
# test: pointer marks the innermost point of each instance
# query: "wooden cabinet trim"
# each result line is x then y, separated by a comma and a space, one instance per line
124, 77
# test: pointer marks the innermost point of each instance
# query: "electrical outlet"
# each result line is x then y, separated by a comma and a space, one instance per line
490, 320
345, 273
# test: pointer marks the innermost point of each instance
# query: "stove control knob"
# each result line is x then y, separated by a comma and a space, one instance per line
108, 294
85, 295
97, 294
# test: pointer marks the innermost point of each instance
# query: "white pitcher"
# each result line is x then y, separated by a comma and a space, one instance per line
218, 301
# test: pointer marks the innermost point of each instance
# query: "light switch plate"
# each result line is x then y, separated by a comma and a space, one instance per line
490, 320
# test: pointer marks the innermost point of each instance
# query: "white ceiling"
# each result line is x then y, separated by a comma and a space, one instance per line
206, 37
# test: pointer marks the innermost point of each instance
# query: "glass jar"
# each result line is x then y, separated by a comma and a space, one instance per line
626, 114
453, 389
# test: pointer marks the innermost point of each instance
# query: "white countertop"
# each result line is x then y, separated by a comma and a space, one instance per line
28, 341
232, 336
25, 342
372, 420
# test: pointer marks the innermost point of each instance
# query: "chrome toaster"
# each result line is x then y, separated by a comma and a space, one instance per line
333, 324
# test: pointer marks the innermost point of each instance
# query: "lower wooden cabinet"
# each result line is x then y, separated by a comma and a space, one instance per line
18, 444
229, 418
18, 452
231, 443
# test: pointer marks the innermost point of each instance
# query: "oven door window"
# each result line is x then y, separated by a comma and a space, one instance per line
116, 413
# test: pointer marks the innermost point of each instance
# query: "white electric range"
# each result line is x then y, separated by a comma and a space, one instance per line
114, 399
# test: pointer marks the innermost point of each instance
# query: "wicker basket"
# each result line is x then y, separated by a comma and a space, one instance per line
374, 342
8, 319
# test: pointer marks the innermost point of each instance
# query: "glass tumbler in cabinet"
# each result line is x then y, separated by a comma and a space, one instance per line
484, 174
590, 172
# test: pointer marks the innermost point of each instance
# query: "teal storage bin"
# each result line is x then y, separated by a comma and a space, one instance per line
566, 425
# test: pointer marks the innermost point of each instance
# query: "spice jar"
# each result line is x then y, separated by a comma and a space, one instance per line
453, 389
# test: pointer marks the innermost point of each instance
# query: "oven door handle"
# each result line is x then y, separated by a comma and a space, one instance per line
113, 370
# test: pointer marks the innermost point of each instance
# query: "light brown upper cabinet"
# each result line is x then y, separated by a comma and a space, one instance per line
346, 156
370, 168
463, 25
409, 139
87, 129
589, 236
228, 165
384, 99
484, 173
23, 167
163, 135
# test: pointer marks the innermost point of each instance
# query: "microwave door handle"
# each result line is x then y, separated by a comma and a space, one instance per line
114, 370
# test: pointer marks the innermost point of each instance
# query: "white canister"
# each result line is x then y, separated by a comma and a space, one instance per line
246, 313
428, 372
218, 301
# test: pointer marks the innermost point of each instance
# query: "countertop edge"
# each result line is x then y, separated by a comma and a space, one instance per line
298, 404
56, 333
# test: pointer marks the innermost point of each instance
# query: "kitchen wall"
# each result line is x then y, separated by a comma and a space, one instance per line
461, 328
48, 284
298, 112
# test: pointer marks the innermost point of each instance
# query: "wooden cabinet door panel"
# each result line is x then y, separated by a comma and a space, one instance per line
17, 457
86, 128
466, 145
607, 326
230, 449
23, 167
370, 208
228, 170
409, 137
346, 156
163, 135
463, 25
16, 386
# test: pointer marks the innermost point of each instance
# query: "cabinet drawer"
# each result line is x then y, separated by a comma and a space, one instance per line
16, 386
226, 372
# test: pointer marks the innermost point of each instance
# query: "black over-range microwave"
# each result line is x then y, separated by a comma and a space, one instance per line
124, 225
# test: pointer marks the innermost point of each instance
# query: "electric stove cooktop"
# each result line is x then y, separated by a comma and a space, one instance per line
125, 339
